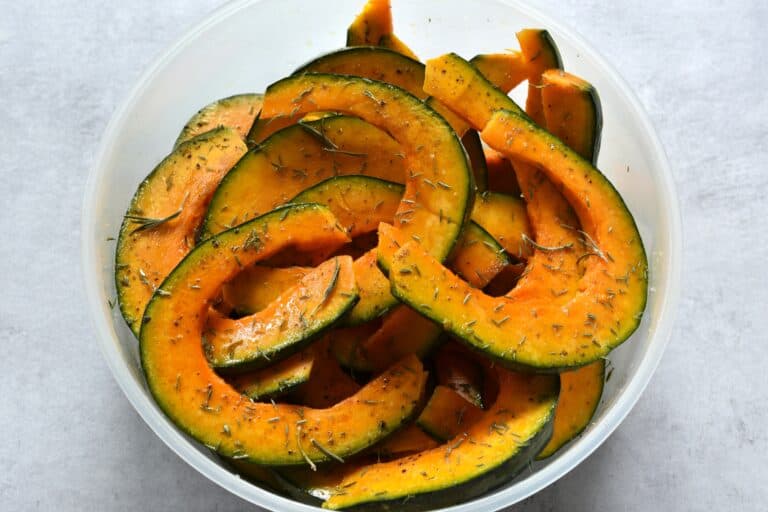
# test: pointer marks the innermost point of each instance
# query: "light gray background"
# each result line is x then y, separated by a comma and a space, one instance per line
698, 438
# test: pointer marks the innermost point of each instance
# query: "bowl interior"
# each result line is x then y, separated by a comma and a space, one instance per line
244, 47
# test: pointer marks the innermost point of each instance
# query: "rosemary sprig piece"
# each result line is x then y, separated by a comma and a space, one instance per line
328, 144
326, 451
544, 248
145, 223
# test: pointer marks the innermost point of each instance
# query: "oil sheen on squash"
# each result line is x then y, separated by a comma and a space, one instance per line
204, 406
159, 228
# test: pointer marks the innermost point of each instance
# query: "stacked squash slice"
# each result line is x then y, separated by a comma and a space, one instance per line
382, 282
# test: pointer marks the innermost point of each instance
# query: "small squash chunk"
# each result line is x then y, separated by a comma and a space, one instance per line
277, 379
360, 203
203, 405
274, 172
408, 440
580, 392
288, 324
328, 384
540, 54
572, 112
371, 62
373, 27
478, 257
471, 142
257, 287
438, 188
237, 112
501, 175
159, 228
459, 371
491, 451
505, 218
505, 70
447, 414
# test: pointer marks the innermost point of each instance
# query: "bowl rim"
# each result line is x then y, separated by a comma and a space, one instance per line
547, 475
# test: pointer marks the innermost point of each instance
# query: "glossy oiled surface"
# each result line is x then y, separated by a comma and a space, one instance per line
649, 460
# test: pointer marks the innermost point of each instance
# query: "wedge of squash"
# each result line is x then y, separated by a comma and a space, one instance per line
573, 326
274, 173
214, 413
408, 440
328, 384
237, 112
373, 27
489, 452
471, 142
505, 218
447, 414
540, 54
159, 228
505, 70
572, 112
501, 175
319, 300
458, 370
276, 379
257, 287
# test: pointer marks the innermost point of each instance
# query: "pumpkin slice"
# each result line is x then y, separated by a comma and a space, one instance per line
459, 371
501, 175
257, 287
274, 172
447, 414
408, 440
505, 218
612, 289
376, 63
505, 70
572, 112
478, 257
328, 384
471, 142
437, 198
159, 228
277, 379
373, 27
580, 392
288, 324
540, 54
488, 453
360, 203
207, 408
237, 112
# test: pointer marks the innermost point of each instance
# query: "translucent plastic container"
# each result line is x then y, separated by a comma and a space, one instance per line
245, 46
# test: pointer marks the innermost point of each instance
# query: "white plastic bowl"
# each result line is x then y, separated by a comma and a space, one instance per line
246, 45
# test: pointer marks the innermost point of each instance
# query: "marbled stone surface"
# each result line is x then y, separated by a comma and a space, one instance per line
697, 440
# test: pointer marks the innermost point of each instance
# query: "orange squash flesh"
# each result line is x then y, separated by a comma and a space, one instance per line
505, 218
484, 455
296, 317
456, 369
447, 414
236, 112
505, 70
373, 27
179, 189
328, 384
258, 286
580, 392
278, 378
540, 54
406, 441
210, 410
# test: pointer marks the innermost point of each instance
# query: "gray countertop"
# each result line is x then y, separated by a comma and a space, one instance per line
697, 439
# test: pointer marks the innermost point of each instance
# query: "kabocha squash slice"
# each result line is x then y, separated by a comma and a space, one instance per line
570, 327
328, 384
373, 27
237, 112
457, 370
408, 440
540, 54
572, 112
258, 286
159, 228
274, 172
447, 414
505, 218
505, 70
438, 187
288, 324
488, 453
471, 142
203, 405
580, 392
276, 379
